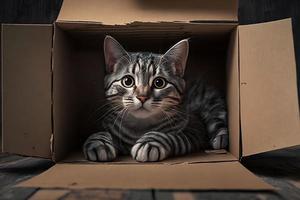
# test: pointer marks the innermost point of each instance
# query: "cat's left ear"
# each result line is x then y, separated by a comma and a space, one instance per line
113, 52
177, 56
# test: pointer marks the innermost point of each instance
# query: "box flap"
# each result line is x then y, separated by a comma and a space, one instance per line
206, 176
268, 87
26, 89
120, 12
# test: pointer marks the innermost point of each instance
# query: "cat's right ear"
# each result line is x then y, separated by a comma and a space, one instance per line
113, 51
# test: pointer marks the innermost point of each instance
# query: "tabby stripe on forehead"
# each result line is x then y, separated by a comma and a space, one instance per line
152, 66
134, 67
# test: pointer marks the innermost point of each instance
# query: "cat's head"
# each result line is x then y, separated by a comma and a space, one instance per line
146, 84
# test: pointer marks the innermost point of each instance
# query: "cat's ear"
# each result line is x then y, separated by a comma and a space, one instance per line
177, 56
113, 51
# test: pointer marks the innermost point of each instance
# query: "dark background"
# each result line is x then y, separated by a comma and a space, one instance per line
250, 11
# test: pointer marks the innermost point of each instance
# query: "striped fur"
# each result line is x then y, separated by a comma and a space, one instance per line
148, 112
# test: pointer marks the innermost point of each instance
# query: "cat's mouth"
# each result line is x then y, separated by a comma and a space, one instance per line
142, 109
141, 112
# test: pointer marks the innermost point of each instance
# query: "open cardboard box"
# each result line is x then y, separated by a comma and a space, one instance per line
52, 79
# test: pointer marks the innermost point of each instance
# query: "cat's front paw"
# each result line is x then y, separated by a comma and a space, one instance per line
149, 148
221, 140
97, 148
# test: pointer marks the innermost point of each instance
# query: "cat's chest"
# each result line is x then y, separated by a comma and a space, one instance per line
132, 127
140, 126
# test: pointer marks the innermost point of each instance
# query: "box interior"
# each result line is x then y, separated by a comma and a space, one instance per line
78, 72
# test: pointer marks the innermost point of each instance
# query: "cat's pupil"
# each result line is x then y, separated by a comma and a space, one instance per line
127, 81
159, 83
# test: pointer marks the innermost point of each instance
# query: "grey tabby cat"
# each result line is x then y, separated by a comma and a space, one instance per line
148, 111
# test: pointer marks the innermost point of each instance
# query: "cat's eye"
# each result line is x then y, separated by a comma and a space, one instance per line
159, 83
127, 81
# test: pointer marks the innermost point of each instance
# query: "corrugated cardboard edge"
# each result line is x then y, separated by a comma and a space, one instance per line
204, 176
201, 157
52, 101
239, 89
1, 85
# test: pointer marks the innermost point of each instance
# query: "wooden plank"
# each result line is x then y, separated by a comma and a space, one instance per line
109, 194
224, 195
49, 194
14, 169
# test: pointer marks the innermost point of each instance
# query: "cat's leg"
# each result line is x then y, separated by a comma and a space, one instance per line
216, 125
99, 147
156, 146
212, 108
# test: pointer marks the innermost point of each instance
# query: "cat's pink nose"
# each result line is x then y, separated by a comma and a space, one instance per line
142, 98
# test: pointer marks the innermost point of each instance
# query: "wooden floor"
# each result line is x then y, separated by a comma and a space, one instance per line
280, 169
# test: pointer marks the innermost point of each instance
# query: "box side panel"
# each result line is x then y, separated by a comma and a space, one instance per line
65, 104
233, 95
1, 135
205, 176
269, 101
26, 89
147, 11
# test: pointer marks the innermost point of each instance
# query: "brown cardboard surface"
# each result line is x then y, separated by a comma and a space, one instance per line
119, 12
153, 30
269, 102
203, 157
65, 99
1, 145
26, 89
233, 95
206, 176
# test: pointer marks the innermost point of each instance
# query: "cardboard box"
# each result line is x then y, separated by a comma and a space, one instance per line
52, 78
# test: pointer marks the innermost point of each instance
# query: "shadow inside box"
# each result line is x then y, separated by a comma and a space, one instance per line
279, 163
